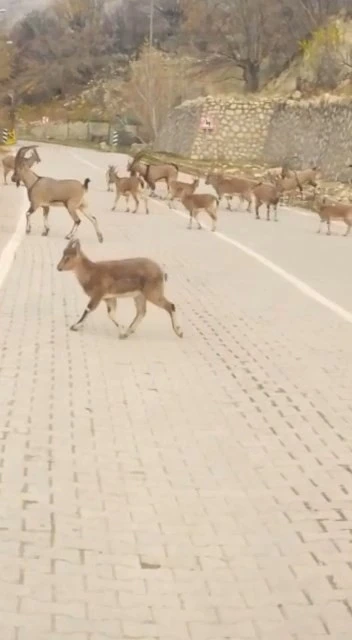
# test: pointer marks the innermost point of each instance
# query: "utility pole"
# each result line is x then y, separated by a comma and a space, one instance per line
151, 24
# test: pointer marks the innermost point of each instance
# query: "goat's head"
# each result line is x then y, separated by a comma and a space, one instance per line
70, 256
21, 163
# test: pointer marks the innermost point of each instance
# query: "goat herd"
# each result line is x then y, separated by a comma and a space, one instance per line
141, 278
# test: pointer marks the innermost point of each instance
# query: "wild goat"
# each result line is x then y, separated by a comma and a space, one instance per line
153, 173
138, 278
110, 176
44, 192
178, 189
308, 177
268, 194
333, 211
8, 162
196, 202
228, 187
288, 184
131, 186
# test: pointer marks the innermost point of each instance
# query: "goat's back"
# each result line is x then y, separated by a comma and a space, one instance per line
50, 190
122, 277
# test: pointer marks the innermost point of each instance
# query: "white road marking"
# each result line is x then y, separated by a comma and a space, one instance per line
300, 285
8, 254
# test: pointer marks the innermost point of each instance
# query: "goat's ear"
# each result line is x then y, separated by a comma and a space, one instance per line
74, 244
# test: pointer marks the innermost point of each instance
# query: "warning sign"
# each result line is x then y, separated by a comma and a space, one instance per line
206, 123
11, 137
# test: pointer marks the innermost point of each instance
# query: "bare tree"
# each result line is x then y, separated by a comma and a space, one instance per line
157, 83
238, 32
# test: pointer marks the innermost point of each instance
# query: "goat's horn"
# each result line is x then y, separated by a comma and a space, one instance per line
22, 152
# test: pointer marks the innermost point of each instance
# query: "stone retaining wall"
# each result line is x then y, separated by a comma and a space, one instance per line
267, 131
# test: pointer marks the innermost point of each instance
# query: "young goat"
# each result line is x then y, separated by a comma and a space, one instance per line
8, 162
44, 192
228, 187
268, 194
138, 278
196, 202
110, 176
333, 211
177, 189
131, 186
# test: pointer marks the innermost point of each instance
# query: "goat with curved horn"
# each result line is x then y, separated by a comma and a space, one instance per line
20, 155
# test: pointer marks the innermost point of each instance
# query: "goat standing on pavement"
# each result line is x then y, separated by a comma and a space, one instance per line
130, 186
153, 173
109, 176
196, 202
46, 192
8, 162
178, 189
138, 278
328, 211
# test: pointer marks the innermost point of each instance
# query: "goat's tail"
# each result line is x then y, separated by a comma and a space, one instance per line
86, 183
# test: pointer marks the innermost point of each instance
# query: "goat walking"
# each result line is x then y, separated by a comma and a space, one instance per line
153, 173
139, 278
45, 192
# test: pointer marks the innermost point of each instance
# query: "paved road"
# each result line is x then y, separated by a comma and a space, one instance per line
163, 489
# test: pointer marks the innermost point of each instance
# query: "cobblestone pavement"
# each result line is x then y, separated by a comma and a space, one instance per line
157, 488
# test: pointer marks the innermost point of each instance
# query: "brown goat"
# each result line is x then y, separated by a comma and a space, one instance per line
269, 194
130, 186
230, 186
9, 161
333, 211
178, 189
196, 202
153, 173
138, 278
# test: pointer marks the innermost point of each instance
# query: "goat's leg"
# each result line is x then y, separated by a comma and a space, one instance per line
127, 198
45, 220
117, 197
348, 225
29, 213
136, 201
157, 297
268, 212
329, 227
212, 214
228, 198
76, 222
141, 310
248, 198
145, 203
93, 221
275, 212
92, 304
320, 225
152, 187
258, 204
111, 305
6, 172
190, 223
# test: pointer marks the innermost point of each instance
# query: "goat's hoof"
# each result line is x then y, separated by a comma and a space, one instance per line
45, 233
179, 332
74, 327
124, 336
100, 238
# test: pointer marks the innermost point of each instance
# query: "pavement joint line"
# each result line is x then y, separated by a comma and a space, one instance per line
297, 283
